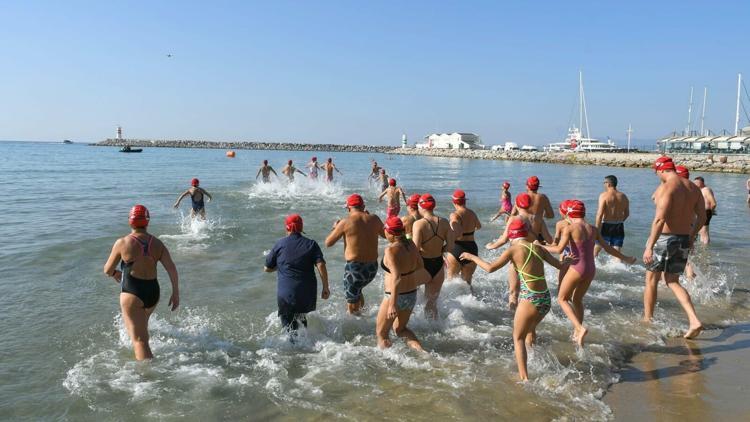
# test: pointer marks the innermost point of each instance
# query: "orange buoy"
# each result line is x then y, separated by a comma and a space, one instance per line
230, 154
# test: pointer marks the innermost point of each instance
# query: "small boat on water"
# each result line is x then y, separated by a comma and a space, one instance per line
127, 148
67, 142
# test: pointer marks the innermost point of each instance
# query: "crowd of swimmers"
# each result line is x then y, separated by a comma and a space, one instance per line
425, 249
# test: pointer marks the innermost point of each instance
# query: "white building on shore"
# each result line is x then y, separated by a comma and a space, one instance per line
452, 141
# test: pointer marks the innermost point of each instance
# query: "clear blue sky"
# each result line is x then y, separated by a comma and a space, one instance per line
364, 72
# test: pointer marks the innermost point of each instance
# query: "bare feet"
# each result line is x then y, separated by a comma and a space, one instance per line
580, 335
384, 343
693, 332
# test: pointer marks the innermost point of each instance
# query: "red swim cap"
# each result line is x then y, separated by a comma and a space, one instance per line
532, 183
683, 171
413, 201
427, 202
195, 182
663, 163
392, 182
517, 228
265, 162
394, 225
355, 200
506, 185
564, 207
523, 200
294, 223
576, 209
315, 158
139, 217
289, 162
459, 197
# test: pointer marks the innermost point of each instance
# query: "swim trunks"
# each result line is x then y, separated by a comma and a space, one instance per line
393, 211
357, 275
613, 233
461, 246
709, 214
406, 301
433, 265
670, 254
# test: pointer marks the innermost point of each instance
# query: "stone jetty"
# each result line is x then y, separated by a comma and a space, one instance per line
738, 163
282, 146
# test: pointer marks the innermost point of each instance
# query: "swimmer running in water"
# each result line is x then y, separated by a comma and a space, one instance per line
374, 171
394, 194
710, 203
196, 198
412, 214
576, 281
433, 236
540, 204
266, 171
137, 254
464, 222
680, 214
528, 261
313, 168
506, 204
329, 167
613, 210
383, 180
289, 171
404, 273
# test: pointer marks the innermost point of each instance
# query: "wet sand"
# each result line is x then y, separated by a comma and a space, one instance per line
707, 379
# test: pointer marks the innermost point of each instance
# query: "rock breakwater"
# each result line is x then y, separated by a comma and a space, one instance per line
282, 146
695, 162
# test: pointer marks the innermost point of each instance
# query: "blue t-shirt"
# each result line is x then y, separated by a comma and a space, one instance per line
294, 258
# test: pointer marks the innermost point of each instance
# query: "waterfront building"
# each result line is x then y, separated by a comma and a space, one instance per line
452, 141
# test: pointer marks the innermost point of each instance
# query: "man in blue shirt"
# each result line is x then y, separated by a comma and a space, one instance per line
295, 257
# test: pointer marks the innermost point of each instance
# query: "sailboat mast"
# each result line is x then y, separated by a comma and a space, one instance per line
690, 112
737, 114
703, 113
584, 113
580, 100
630, 131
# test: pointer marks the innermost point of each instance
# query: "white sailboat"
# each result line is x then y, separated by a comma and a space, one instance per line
577, 140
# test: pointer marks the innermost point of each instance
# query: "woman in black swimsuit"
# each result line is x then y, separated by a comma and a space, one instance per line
433, 236
404, 273
137, 254
464, 223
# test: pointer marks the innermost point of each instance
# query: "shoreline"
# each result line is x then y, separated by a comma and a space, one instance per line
686, 379
739, 164
736, 164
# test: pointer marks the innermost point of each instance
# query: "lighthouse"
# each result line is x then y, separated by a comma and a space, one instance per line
403, 141
119, 133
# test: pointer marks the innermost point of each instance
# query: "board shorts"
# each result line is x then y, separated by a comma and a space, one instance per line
393, 211
357, 275
461, 246
613, 233
670, 254
709, 215
406, 301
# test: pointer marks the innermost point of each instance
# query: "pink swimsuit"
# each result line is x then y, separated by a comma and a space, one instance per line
584, 263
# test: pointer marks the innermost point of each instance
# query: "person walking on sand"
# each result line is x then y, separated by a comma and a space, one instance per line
528, 262
360, 231
581, 236
289, 171
412, 214
196, 194
433, 236
137, 255
710, 203
464, 222
329, 167
394, 194
313, 168
613, 210
539, 202
680, 214
506, 203
266, 171
404, 273
295, 258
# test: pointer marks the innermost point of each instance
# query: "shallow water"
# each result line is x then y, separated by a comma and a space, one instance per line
65, 353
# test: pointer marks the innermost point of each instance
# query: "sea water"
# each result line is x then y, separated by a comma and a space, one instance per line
65, 354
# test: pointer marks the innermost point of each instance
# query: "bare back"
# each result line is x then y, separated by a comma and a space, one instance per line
130, 250
402, 258
540, 204
431, 235
676, 201
615, 206
361, 231
464, 223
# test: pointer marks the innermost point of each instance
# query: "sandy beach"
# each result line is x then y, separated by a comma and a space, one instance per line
683, 380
